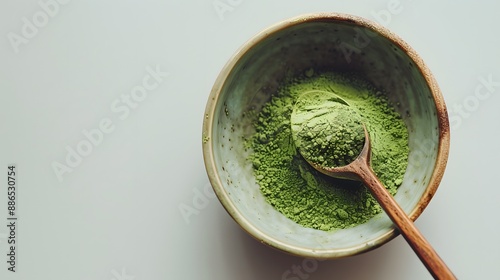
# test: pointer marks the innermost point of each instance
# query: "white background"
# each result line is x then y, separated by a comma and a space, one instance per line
116, 214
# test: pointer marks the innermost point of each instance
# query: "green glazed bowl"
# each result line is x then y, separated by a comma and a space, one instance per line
326, 41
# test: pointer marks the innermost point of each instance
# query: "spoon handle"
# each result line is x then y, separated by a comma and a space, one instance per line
434, 264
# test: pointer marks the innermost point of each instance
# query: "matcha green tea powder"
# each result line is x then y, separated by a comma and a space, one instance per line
301, 193
326, 129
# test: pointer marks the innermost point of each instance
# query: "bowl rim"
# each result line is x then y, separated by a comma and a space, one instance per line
208, 151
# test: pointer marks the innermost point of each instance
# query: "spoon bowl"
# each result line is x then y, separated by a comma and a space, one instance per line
318, 111
349, 171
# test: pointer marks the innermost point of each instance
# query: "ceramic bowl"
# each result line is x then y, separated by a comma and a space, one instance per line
326, 41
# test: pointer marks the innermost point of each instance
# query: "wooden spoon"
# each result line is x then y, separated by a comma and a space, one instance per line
361, 170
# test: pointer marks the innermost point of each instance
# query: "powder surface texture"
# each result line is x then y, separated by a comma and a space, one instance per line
301, 193
326, 130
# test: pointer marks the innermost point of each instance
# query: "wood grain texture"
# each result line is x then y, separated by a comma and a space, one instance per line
360, 169
418, 243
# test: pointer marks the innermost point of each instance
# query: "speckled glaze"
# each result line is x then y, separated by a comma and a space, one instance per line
326, 41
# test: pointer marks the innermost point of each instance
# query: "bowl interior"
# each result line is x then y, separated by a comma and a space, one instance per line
324, 43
